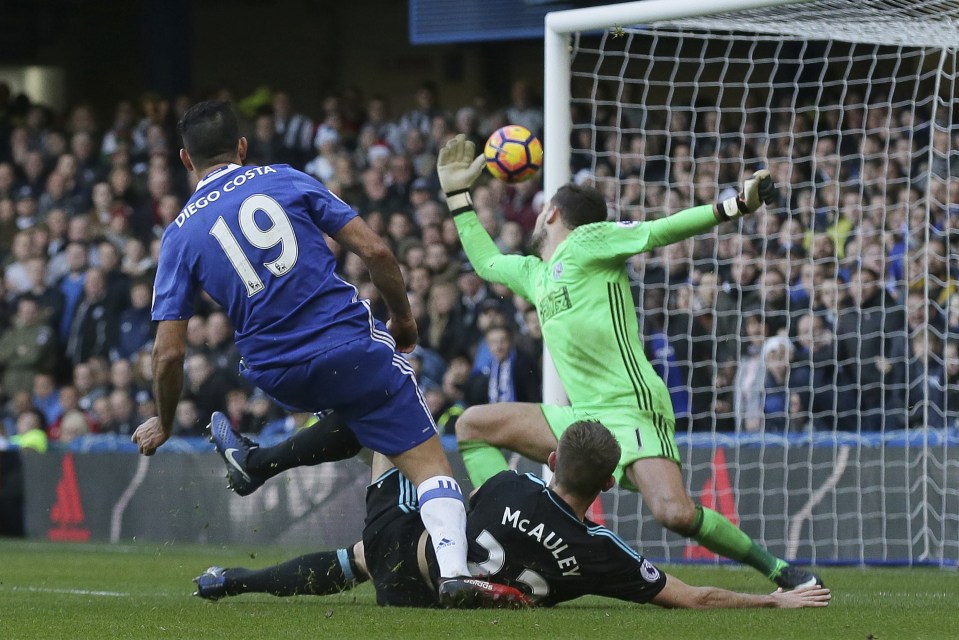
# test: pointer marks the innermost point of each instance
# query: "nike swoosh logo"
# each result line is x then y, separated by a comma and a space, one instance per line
228, 454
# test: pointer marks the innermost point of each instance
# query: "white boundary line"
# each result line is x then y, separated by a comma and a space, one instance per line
76, 592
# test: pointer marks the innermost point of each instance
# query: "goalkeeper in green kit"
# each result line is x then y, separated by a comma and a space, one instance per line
577, 281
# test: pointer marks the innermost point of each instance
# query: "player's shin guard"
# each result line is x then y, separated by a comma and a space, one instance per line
315, 574
444, 516
719, 535
482, 460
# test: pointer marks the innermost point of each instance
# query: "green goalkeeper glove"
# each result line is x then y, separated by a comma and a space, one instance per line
458, 167
758, 189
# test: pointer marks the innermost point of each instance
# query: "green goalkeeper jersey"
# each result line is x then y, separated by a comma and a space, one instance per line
584, 303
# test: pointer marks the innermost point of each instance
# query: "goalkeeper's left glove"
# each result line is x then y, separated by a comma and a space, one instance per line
458, 169
758, 189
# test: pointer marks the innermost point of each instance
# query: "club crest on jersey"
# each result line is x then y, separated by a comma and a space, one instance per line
648, 571
557, 271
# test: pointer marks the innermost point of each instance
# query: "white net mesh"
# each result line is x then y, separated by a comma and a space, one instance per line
809, 350
898, 22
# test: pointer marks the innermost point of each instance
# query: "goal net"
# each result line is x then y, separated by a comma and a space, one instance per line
809, 349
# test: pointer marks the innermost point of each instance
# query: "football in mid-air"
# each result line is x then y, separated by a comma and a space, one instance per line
513, 154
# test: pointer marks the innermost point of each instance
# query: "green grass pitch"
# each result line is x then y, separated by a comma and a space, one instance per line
143, 591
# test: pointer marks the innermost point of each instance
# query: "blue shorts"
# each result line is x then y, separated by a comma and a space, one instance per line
366, 382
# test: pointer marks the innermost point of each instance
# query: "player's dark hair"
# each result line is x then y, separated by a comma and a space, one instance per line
579, 205
585, 458
210, 133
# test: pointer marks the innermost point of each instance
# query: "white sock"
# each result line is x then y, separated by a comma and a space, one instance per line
444, 516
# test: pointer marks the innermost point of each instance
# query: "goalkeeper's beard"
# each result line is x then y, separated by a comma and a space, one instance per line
536, 242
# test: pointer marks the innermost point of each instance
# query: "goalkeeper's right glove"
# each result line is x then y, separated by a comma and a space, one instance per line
458, 169
758, 189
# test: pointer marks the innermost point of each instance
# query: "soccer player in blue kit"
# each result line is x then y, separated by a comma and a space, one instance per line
253, 239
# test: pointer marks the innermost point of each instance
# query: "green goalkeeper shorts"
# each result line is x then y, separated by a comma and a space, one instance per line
640, 434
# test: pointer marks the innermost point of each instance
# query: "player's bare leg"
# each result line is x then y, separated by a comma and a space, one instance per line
518, 426
660, 482
664, 492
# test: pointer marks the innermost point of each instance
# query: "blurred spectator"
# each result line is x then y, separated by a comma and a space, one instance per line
427, 365
668, 364
20, 402
751, 376
69, 400
522, 109
421, 117
510, 376
73, 425
134, 325
294, 129
26, 348
737, 295
221, 349
774, 300
438, 260
86, 386
328, 149
117, 282
265, 144
530, 338
926, 371
71, 286
15, 274
46, 397
31, 434
236, 411
520, 204
50, 301
206, 386
779, 405
262, 410
94, 327
379, 123
828, 393
943, 390
186, 420
122, 413
867, 331
473, 292
443, 330
146, 406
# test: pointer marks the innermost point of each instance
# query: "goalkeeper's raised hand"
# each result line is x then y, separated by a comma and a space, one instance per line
458, 167
759, 189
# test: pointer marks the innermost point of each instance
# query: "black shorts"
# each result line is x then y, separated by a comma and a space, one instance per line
390, 541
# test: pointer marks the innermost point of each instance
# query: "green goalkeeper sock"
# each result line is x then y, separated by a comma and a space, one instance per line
719, 535
482, 460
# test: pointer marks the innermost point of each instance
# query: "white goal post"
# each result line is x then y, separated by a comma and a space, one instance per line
854, 107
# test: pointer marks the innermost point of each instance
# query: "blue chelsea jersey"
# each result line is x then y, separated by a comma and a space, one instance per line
252, 238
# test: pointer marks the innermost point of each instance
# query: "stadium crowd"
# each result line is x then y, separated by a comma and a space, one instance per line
835, 310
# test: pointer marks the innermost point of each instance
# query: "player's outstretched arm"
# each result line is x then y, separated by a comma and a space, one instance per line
458, 167
358, 237
679, 595
627, 239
